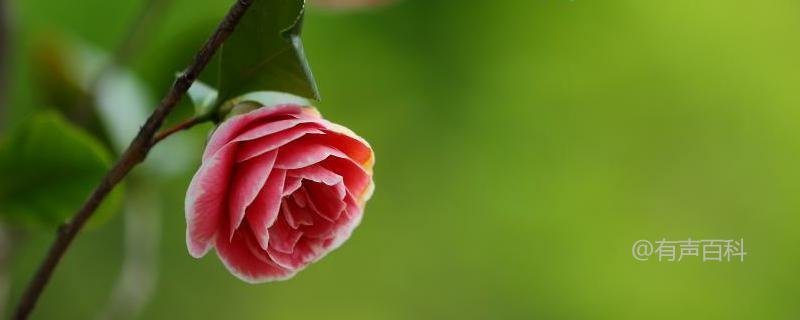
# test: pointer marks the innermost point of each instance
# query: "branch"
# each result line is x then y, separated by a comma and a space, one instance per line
136, 153
191, 122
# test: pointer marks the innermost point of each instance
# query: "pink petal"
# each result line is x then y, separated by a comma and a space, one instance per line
263, 129
291, 185
243, 258
323, 229
326, 200
354, 214
347, 225
238, 124
317, 173
250, 149
263, 212
356, 179
282, 237
300, 198
303, 153
354, 208
343, 234
306, 251
341, 228
348, 142
205, 201
329, 236
249, 178
295, 214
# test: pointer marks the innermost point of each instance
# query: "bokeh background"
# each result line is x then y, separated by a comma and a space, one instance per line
522, 147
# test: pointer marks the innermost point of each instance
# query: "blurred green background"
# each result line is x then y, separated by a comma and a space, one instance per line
522, 147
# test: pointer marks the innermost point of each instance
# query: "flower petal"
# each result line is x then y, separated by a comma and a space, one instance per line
303, 153
205, 201
249, 178
234, 126
263, 212
348, 142
306, 251
262, 130
318, 174
340, 229
291, 185
282, 237
356, 179
300, 198
297, 215
243, 258
345, 229
326, 200
253, 148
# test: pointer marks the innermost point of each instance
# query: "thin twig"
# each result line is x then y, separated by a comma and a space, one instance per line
191, 122
136, 153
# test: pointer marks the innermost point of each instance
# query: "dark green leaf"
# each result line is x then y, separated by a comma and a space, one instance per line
265, 53
48, 168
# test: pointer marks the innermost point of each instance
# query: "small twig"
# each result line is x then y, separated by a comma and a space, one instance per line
191, 122
136, 153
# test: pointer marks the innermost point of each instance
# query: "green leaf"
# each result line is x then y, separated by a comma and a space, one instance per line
265, 53
48, 168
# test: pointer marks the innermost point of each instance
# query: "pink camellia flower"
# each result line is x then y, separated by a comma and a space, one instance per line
278, 188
